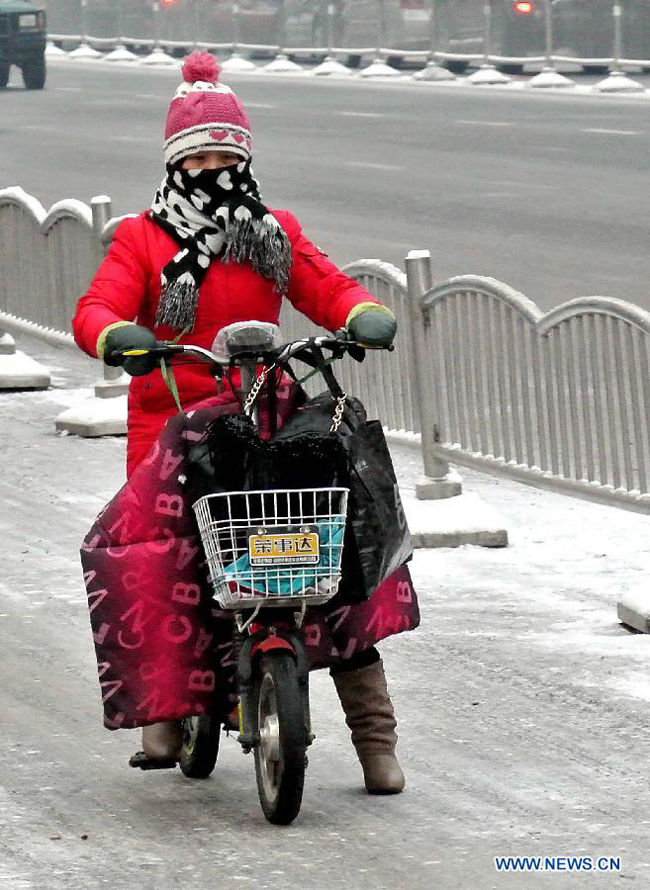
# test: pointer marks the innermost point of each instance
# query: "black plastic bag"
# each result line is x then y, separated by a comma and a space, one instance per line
305, 454
377, 540
232, 457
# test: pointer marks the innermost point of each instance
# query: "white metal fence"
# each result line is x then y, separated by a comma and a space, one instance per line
560, 400
371, 29
46, 257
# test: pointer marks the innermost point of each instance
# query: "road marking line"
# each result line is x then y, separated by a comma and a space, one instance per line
68, 89
372, 166
613, 132
135, 138
486, 123
259, 105
150, 96
359, 113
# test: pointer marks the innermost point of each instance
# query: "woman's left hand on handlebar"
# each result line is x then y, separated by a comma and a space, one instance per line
126, 338
373, 328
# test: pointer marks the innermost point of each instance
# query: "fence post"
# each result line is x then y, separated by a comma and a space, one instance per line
379, 68
115, 381
120, 53
487, 74
84, 50
105, 414
433, 71
17, 370
236, 62
282, 64
157, 56
617, 80
549, 76
197, 22
439, 482
330, 65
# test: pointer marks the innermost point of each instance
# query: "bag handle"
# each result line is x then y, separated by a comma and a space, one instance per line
318, 361
313, 356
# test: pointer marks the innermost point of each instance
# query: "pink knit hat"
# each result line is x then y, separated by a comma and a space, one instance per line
205, 115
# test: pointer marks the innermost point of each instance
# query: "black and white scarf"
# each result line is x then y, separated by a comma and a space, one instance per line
214, 213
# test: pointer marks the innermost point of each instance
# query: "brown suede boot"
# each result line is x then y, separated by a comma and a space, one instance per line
369, 715
162, 741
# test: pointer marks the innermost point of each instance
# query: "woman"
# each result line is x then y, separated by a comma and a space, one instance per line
206, 254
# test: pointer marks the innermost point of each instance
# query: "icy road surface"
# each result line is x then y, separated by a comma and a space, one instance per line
523, 706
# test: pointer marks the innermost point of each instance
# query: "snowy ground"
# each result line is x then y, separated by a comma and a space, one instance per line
523, 704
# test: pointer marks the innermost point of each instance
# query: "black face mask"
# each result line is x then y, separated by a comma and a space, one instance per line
222, 186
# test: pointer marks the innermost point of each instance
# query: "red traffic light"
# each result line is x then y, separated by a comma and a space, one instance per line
524, 7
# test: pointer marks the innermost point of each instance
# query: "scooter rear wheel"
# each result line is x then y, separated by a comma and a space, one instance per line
280, 756
200, 746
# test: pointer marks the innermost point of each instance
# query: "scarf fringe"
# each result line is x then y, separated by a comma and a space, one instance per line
214, 231
177, 305
264, 246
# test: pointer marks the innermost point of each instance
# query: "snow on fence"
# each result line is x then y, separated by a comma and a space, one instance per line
558, 400
48, 259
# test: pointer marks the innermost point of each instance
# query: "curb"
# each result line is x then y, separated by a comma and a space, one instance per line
357, 77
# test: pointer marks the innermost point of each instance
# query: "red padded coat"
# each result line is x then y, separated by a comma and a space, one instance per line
127, 287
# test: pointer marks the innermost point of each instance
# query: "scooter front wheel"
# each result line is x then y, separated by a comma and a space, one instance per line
280, 756
200, 746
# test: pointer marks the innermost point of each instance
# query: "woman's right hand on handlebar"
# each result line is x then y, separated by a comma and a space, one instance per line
127, 338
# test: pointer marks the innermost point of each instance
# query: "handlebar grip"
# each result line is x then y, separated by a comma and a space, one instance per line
157, 352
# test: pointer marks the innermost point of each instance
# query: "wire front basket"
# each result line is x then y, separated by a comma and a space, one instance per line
277, 548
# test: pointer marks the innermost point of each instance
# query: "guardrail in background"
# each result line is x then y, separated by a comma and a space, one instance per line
558, 400
48, 260
433, 53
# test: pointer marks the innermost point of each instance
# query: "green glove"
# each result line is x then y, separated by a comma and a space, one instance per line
130, 336
373, 327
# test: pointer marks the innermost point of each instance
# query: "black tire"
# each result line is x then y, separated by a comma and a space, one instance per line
280, 757
596, 69
4, 76
200, 746
34, 73
455, 66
